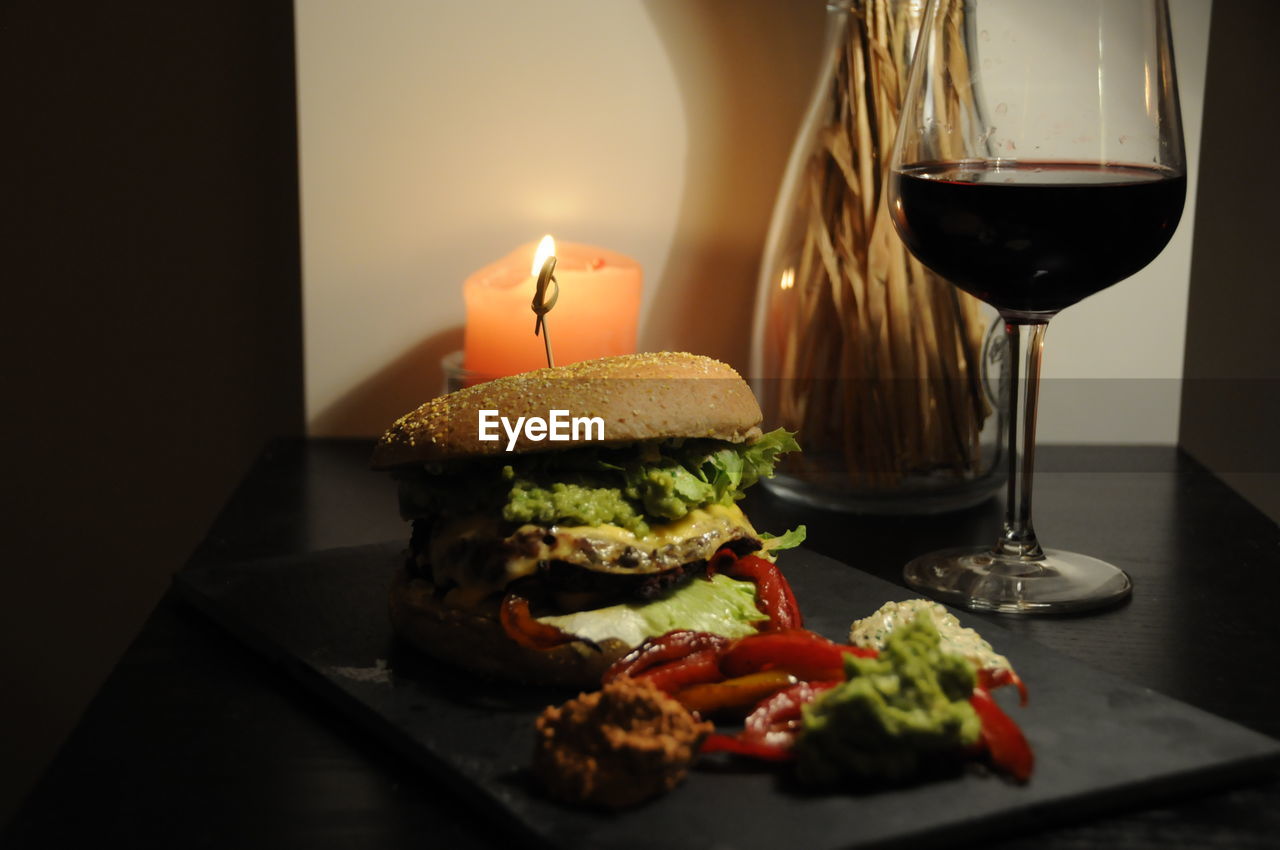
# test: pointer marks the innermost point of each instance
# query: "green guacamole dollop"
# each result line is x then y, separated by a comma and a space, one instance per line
572, 503
891, 713
670, 491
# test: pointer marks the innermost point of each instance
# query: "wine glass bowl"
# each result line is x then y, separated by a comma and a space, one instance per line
1038, 159
1008, 233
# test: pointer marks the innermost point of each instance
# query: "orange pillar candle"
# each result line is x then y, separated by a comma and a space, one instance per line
595, 315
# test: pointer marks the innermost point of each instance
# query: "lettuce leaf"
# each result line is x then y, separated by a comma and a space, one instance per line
737, 466
789, 540
760, 457
721, 605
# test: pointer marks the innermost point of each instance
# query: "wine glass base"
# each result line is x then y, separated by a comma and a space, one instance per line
982, 580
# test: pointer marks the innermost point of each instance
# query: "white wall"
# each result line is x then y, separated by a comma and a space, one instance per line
436, 136
1113, 361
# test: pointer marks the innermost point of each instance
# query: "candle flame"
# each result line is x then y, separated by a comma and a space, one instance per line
546, 248
788, 279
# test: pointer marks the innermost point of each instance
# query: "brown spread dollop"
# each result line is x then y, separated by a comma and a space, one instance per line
616, 747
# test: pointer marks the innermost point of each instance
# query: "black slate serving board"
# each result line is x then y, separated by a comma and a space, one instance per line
1101, 743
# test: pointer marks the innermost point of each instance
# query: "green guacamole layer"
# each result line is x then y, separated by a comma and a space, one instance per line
631, 487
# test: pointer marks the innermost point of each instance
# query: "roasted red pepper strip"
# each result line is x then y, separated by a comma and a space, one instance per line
734, 694
776, 721
770, 730
793, 619
718, 743
673, 646
802, 653
1005, 744
773, 593
695, 668
521, 627
992, 678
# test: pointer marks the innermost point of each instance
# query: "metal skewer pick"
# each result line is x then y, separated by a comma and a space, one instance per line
542, 305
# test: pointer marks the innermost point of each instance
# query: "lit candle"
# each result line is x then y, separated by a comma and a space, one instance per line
595, 315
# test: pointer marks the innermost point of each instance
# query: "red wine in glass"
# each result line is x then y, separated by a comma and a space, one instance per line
1031, 238
1038, 159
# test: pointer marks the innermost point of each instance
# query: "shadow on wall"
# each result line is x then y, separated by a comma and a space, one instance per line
395, 389
745, 69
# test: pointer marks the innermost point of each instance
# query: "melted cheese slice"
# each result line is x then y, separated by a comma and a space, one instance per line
697, 535
697, 522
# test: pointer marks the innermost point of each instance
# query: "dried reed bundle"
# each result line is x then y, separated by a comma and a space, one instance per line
879, 357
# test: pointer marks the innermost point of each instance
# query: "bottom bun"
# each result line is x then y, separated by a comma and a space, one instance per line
476, 641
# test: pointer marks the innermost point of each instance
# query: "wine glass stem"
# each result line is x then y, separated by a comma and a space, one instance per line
1026, 343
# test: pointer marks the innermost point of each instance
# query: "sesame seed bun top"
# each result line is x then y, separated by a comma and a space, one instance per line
638, 396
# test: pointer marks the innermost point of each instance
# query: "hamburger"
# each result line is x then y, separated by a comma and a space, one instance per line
542, 551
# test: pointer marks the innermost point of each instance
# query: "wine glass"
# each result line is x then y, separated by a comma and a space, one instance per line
1038, 159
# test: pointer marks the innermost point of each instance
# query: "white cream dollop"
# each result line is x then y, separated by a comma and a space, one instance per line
873, 631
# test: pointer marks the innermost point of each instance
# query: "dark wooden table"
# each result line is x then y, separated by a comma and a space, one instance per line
195, 741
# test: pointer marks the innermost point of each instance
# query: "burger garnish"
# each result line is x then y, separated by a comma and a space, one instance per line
548, 563
844, 712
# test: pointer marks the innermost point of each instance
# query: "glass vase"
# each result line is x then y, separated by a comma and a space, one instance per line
889, 374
